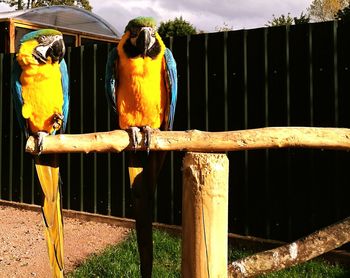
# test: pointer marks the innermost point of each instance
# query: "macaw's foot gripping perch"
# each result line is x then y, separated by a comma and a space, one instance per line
133, 131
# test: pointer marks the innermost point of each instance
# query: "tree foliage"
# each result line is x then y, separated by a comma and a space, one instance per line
224, 28
280, 20
302, 19
27, 4
344, 14
323, 10
288, 20
176, 27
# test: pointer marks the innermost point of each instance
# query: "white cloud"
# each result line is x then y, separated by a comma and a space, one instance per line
203, 14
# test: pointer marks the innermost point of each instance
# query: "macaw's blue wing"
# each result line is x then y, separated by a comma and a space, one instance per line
171, 84
111, 78
17, 95
65, 89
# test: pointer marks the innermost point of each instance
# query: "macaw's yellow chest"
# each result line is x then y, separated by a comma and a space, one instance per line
42, 95
141, 93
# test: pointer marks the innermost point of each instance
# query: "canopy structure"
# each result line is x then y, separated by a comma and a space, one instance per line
78, 25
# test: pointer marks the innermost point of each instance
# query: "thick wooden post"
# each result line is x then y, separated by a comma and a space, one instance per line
204, 215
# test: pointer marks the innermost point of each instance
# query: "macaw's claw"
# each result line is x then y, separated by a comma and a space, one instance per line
40, 138
133, 134
147, 141
57, 120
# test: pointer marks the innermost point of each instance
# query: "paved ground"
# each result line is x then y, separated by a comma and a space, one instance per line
23, 250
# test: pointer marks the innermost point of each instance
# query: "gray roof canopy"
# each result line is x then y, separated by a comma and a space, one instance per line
68, 17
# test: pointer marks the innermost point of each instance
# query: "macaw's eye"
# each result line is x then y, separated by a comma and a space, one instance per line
134, 32
42, 39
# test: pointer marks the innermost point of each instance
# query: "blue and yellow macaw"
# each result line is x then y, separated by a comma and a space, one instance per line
141, 86
40, 94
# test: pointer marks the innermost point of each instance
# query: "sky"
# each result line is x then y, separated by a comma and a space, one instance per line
204, 15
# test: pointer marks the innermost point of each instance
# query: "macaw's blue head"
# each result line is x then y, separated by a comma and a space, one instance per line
50, 45
142, 33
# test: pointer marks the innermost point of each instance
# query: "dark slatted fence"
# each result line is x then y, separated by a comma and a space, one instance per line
281, 76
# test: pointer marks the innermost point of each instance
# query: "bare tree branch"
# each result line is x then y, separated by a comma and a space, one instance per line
297, 252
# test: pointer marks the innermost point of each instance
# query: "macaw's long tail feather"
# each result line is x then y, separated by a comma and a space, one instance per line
48, 174
143, 173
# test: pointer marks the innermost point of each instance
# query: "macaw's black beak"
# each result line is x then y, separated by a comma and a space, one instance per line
143, 41
53, 48
56, 51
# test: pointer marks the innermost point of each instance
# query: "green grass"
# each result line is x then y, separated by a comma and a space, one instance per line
122, 261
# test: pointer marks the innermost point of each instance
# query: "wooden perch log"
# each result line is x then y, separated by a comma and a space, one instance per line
199, 141
112, 141
297, 252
